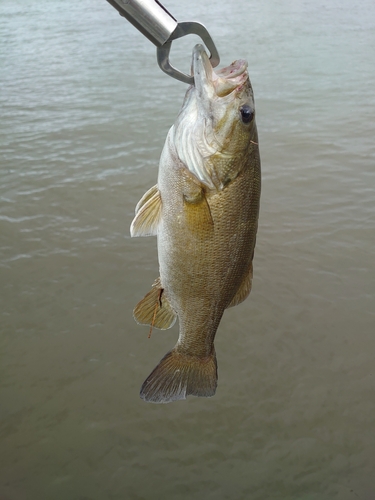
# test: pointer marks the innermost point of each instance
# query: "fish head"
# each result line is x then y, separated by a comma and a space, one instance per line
216, 129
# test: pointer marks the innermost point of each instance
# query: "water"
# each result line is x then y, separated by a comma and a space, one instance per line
84, 114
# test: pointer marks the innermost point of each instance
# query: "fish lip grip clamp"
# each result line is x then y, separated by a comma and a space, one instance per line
153, 20
182, 29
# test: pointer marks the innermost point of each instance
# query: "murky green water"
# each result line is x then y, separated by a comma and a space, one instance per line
84, 114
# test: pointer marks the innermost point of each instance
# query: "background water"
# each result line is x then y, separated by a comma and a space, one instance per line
84, 114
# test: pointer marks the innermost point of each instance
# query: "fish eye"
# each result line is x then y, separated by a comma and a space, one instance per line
247, 113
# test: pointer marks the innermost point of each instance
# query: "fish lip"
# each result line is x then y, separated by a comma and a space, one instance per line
211, 83
234, 70
202, 69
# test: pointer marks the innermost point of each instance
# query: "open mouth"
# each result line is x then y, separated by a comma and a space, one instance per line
234, 70
223, 81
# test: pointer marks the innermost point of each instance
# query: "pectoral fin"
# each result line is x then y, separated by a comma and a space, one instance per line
148, 213
198, 216
196, 208
154, 309
244, 290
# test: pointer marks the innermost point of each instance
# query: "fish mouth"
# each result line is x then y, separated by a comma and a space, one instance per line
221, 82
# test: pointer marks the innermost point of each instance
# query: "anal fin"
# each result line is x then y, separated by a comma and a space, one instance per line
148, 213
154, 309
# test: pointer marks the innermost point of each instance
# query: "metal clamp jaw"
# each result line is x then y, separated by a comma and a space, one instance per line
153, 20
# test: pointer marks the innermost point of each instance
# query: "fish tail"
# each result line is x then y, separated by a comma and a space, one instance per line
179, 375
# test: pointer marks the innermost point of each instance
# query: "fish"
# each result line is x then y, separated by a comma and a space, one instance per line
204, 211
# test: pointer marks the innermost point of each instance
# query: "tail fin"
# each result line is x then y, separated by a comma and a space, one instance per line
178, 375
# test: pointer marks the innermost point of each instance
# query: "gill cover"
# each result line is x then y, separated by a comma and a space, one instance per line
216, 122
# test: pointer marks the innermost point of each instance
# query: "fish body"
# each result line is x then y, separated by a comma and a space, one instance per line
204, 211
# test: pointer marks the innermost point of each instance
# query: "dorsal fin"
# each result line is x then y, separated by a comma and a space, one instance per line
244, 290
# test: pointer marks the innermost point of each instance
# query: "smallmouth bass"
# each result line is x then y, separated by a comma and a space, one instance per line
204, 211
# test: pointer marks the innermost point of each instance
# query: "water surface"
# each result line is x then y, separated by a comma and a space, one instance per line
84, 114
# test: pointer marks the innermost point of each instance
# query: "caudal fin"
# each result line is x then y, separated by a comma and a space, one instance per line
178, 375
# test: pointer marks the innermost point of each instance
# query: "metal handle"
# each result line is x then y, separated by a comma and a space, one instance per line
153, 20
149, 17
